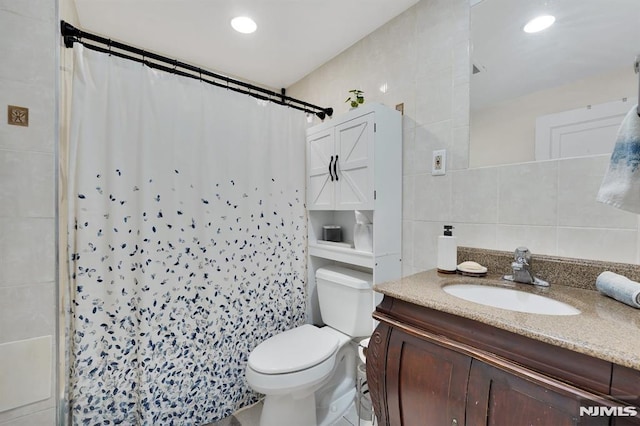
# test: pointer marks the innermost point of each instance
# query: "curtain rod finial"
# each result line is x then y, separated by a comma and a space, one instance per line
69, 33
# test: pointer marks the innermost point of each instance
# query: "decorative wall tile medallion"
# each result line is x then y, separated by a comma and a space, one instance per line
18, 116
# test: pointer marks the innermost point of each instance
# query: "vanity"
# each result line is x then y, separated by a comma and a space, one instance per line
436, 359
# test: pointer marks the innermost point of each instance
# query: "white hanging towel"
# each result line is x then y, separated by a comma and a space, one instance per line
620, 186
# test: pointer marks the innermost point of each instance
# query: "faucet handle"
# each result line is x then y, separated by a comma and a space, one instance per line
522, 255
517, 266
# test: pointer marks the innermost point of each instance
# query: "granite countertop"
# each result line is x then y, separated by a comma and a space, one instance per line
605, 328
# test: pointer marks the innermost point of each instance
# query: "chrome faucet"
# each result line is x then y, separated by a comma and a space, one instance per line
521, 267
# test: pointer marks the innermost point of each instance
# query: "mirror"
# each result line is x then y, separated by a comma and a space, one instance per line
582, 64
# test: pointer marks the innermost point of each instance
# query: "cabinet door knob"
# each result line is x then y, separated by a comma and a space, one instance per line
454, 422
330, 161
335, 167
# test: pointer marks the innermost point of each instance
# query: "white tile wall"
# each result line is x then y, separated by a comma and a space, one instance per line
474, 197
27, 311
432, 197
549, 207
539, 239
528, 194
26, 245
25, 184
28, 45
578, 182
475, 234
424, 236
593, 243
423, 56
26, 374
42, 417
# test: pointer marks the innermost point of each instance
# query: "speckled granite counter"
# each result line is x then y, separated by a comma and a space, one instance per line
604, 329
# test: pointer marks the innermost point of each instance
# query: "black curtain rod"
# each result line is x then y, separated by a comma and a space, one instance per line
72, 35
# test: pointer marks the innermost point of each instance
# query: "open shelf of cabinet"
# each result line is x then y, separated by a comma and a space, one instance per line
342, 254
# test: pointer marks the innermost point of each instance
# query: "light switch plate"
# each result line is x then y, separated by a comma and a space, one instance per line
439, 162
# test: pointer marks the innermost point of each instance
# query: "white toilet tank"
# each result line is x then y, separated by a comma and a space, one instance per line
346, 299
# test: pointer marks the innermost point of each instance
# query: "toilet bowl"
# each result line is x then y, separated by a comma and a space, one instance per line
308, 373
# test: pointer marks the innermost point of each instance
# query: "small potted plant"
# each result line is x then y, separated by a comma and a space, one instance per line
356, 98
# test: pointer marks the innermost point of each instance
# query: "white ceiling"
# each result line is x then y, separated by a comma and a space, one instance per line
589, 37
294, 37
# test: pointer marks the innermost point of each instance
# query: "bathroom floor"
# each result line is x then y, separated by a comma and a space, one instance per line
250, 416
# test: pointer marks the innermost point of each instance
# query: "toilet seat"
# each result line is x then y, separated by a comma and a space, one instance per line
294, 361
287, 383
294, 350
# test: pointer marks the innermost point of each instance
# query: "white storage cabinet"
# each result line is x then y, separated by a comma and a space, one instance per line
354, 162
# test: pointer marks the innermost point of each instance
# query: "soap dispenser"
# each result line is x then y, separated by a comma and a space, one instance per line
447, 251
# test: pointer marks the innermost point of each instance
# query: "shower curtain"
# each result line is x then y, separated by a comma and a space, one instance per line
186, 245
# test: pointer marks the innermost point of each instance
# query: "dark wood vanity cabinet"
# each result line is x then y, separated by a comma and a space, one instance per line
426, 367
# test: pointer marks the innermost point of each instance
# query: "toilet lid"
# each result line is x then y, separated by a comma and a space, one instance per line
294, 350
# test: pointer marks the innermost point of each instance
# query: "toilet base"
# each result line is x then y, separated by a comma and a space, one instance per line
284, 410
320, 405
336, 410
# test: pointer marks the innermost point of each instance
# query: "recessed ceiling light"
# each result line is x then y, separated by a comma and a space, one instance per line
243, 24
538, 24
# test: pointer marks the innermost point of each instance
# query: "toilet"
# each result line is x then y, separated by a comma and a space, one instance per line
308, 373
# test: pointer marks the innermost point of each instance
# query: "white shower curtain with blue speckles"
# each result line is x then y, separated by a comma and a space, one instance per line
186, 245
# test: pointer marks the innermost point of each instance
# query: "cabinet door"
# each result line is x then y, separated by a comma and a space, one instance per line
354, 153
426, 383
320, 180
625, 387
497, 398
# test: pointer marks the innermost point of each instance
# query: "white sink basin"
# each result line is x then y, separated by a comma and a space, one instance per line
510, 299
